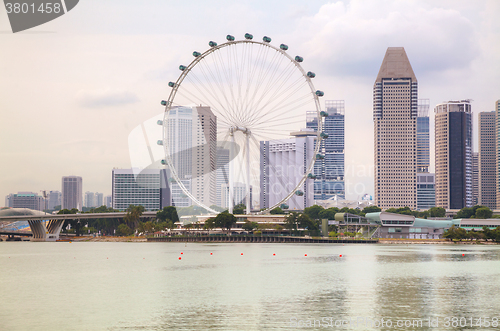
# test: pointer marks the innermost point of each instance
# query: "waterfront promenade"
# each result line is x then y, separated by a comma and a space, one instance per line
262, 239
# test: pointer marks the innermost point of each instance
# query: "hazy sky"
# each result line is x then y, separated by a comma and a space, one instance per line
73, 89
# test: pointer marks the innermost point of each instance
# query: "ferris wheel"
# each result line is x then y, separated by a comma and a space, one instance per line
222, 109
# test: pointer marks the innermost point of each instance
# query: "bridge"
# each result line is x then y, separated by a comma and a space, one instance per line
48, 227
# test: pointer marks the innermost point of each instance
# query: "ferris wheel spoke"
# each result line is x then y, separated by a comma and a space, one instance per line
270, 93
272, 113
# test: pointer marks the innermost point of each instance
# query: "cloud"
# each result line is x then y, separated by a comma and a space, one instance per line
105, 98
351, 39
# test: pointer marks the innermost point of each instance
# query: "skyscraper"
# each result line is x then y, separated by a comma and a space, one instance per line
395, 112
28, 200
222, 172
282, 165
453, 139
54, 199
72, 192
329, 171
89, 200
497, 143
487, 160
425, 180
192, 139
475, 178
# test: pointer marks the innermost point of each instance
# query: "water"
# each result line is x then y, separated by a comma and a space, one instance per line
144, 286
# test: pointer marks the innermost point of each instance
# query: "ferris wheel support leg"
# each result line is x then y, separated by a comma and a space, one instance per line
231, 171
248, 174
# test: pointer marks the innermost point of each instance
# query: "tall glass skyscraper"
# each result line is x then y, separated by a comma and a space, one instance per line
453, 127
426, 195
329, 182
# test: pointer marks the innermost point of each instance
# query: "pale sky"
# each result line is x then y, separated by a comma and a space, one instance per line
74, 88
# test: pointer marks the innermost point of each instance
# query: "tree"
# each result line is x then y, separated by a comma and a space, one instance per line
483, 212
168, 213
307, 223
328, 213
465, 213
124, 230
371, 209
437, 212
209, 224
313, 211
133, 215
277, 211
225, 220
291, 221
75, 223
249, 226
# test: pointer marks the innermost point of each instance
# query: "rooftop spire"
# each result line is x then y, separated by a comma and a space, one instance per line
395, 65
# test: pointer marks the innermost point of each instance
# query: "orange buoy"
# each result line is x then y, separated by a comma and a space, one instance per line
274, 254
463, 254
241, 253
210, 253
179, 257
340, 255
305, 254
182, 253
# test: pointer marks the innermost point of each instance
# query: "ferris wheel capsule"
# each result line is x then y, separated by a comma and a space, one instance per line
299, 193
284, 206
311, 74
159, 122
163, 103
159, 142
320, 156
248, 36
171, 84
229, 38
163, 162
324, 135
320, 93
284, 47
182, 68
323, 113
311, 176
299, 58
266, 39
196, 54
212, 43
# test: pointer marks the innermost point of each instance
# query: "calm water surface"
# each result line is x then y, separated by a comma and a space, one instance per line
144, 286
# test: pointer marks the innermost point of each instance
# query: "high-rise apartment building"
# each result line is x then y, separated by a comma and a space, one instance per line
192, 139
89, 199
329, 171
453, 139
487, 160
72, 192
204, 155
282, 166
222, 172
395, 112
99, 199
475, 178
54, 199
497, 144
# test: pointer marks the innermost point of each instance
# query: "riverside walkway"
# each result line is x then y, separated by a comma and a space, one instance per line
261, 239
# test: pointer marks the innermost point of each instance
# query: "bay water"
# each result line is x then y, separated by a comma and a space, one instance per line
237, 286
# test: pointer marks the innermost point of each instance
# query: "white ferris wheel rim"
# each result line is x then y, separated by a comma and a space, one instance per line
170, 102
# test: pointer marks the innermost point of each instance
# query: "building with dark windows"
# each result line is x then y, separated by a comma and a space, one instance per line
497, 144
395, 112
329, 172
453, 139
72, 192
487, 160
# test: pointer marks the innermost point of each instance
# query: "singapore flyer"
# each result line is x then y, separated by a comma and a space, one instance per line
233, 129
